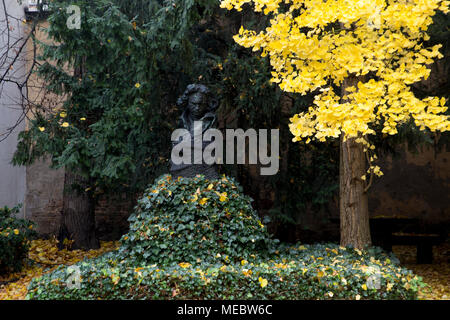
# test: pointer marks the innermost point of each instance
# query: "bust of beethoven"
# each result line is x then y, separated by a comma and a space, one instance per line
197, 104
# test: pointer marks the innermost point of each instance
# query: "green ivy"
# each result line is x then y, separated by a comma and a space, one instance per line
193, 220
181, 246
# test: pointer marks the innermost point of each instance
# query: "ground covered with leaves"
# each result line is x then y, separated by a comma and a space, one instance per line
436, 275
44, 257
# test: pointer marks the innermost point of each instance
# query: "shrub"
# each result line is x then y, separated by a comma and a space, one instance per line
15, 235
193, 220
302, 272
222, 251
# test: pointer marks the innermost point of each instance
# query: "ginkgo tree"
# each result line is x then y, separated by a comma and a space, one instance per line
361, 58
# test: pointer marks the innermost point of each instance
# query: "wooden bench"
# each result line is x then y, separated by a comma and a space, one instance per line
424, 243
387, 232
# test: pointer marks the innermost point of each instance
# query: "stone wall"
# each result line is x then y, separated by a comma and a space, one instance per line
44, 197
414, 185
44, 203
111, 216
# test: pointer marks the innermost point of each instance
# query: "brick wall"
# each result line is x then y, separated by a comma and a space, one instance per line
44, 202
111, 216
44, 196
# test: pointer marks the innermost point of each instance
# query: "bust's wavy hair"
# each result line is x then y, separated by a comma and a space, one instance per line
191, 89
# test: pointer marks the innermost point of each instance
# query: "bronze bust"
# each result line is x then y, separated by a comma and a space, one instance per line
197, 104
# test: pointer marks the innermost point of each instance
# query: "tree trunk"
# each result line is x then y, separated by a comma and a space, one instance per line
354, 211
78, 216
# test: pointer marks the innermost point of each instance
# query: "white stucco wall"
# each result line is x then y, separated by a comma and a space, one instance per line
12, 179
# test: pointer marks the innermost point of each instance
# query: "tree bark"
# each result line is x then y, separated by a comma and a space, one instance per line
78, 216
354, 211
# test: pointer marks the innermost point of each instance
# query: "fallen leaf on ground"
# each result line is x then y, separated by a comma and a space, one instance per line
45, 257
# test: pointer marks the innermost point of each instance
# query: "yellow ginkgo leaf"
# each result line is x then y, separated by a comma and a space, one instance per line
184, 265
263, 282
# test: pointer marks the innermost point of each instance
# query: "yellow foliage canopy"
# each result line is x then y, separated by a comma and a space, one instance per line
315, 43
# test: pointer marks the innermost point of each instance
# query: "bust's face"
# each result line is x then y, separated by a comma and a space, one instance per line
198, 104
